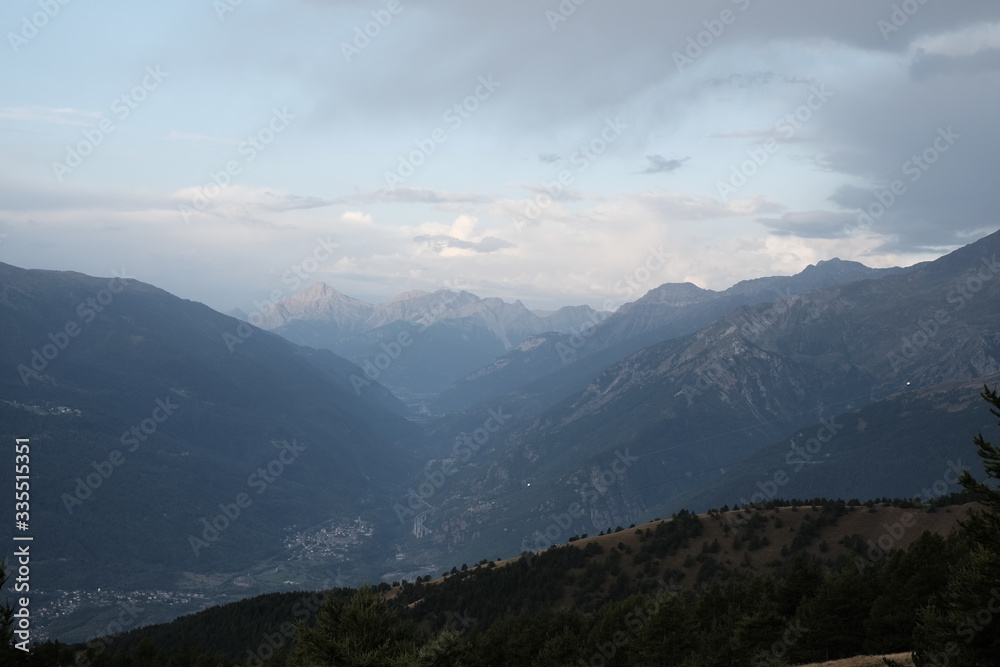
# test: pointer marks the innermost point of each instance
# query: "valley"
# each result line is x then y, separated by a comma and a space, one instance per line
322, 453
500, 334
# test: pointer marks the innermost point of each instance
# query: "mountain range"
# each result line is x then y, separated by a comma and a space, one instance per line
205, 458
691, 411
666, 312
177, 449
448, 334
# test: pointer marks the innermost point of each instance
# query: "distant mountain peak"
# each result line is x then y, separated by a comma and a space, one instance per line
835, 263
320, 292
824, 273
319, 301
676, 294
406, 296
318, 289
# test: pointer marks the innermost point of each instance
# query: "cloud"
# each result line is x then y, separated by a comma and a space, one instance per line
356, 217
243, 203
965, 41
567, 194
559, 86
34, 198
927, 66
759, 137
678, 208
743, 80
438, 243
838, 162
812, 224
174, 135
61, 116
406, 195
284, 201
659, 164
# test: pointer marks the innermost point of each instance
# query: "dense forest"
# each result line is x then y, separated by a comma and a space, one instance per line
761, 585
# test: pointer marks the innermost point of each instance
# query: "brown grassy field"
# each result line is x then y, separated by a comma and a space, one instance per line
865, 661
781, 526
870, 523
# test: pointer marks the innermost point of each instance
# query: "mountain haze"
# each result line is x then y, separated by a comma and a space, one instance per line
450, 333
665, 312
160, 418
686, 411
158, 414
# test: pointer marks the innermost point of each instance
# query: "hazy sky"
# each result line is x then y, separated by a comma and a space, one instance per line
531, 149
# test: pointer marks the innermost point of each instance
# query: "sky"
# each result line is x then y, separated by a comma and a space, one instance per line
234, 151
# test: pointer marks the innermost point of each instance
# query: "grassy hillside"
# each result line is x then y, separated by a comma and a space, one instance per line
686, 553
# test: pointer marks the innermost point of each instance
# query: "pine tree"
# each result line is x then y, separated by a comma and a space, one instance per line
359, 631
905, 583
446, 649
961, 625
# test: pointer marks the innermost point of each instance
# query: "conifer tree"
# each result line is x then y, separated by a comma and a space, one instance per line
359, 631
961, 625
